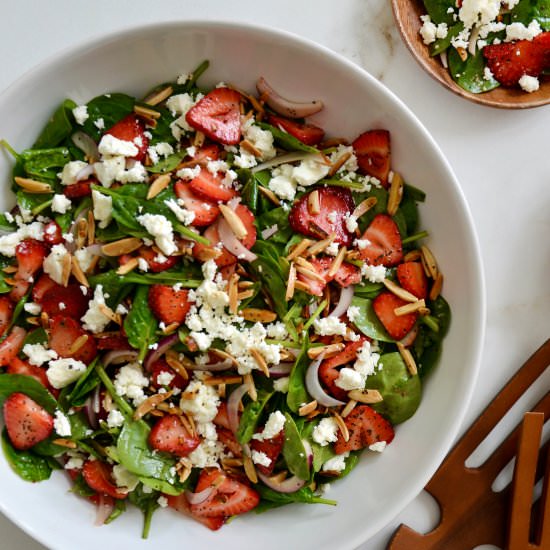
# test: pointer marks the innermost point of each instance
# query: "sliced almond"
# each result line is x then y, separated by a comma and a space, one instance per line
399, 291
78, 344
429, 263
160, 184
66, 264
298, 249
462, 53
269, 194
408, 358
150, 403
245, 295
146, 112
308, 408
232, 293
91, 227
291, 283
10, 269
257, 315
260, 361
339, 162
313, 203
130, 265
234, 222
341, 425
310, 273
123, 246
299, 285
364, 206
395, 194
328, 351
337, 262
249, 469
33, 186
78, 273
412, 256
366, 396
224, 379
110, 314
252, 392
409, 308
250, 148
350, 405
224, 355
169, 329
319, 246
199, 138
158, 97
67, 443
435, 291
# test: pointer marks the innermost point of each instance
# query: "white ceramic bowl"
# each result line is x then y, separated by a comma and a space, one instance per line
133, 61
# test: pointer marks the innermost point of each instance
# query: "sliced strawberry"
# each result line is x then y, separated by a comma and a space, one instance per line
509, 61
346, 275
42, 287
228, 498
365, 427
218, 115
98, 476
384, 242
30, 256
272, 448
329, 368
52, 233
206, 153
397, 326
221, 418
205, 211
181, 504
230, 442
68, 301
79, 189
247, 217
306, 133
372, 149
131, 128
114, 342
336, 204
64, 331
27, 423
157, 262
11, 346
169, 305
210, 187
170, 435
6, 312
411, 277
18, 366
160, 367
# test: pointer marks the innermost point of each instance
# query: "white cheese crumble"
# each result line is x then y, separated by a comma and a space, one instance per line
94, 319
281, 384
130, 381
161, 229
326, 431
529, 83
32, 308
38, 354
336, 463
80, 114
353, 313
54, 262
110, 145
158, 150
62, 372
259, 457
71, 171
374, 273
201, 401
378, 447
60, 204
274, 425
115, 419
103, 208
328, 326
184, 216
9, 242
61, 424
124, 479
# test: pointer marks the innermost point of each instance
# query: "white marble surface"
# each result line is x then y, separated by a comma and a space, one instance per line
500, 157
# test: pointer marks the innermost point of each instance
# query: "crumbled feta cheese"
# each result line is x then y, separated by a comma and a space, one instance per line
161, 229
115, 419
529, 83
158, 150
332, 249
336, 463
351, 223
275, 423
277, 330
310, 171
109, 170
75, 462
184, 216
84, 257
60, 204
164, 378
162, 501
9, 242
518, 31
374, 273
99, 123
478, 12
428, 30
142, 264
124, 479
378, 447
110, 146
32, 308
201, 401
189, 173
353, 313
54, 262
136, 173
282, 182
349, 379
261, 140
94, 319
61, 424
328, 326
130, 381
121, 309
80, 114
326, 431
281, 384
259, 457
103, 208
38, 354
71, 170
65, 371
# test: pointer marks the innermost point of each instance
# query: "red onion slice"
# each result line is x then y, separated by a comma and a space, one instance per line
281, 159
289, 485
232, 244
286, 107
269, 231
161, 348
346, 296
104, 509
214, 367
86, 144
233, 407
200, 497
282, 369
314, 386
118, 356
309, 451
85, 173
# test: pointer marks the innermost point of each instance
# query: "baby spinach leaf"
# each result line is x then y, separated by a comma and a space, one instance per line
147, 503
367, 321
304, 495
297, 393
12, 383
401, 391
294, 451
527, 10
285, 140
36, 336
4, 287
470, 74
59, 127
140, 324
368, 290
321, 453
441, 44
438, 10
167, 164
26, 464
84, 385
44, 164
251, 416
118, 510
111, 108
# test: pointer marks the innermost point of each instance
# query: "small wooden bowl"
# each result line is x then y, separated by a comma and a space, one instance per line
407, 16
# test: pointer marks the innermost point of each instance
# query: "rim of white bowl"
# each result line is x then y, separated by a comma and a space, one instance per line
430, 467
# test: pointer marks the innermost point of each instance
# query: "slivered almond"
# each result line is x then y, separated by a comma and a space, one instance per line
249, 381
260, 361
65, 443
435, 291
130, 265
309, 273
146, 112
151, 403
395, 194
409, 308
408, 358
174, 360
78, 343
299, 285
337, 262
328, 351
169, 408
319, 246
44, 320
81, 232
169, 329
399, 291
110, 314
160, 184
222, 388
366, 396
33, 186
245, 284
234, 222
350, 405
66, 263
258, 315
223, 355
298, 249
250, 148
158, 97
245, 295
304, 263
291, 283
339, 162
249, 469
78, 273
35, 321
341, 425
123, 246
352, 255
279, 477
313, 202
269, 194
429, 263
225, 379
188, 423
308, 408
232, 293
231, 462
412, 256
199, 138
462, 53
91, 227
364, 206
10, 281
10, 269
183, 469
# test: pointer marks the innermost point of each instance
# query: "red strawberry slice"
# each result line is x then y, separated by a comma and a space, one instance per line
11, 346
169, 305
170, 435
161, 367
42, 287
218, 115
64, 331
411, 277
336, 204
205, 211
157, 262
210, 187
18, 366
131, 128
329, 368
181, 504
27, 423
79, 189
365, 427
230, 442
397, 326
346, 275
114, 342
206, 153
372, 149
221, 418
384, 242
6, 312
98, 475
68, 301
272, 448
30, 255
229, 498
509, 61
52, 233
306, 133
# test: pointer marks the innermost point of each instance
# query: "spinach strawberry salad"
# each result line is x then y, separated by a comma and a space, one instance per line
490, 43
207, 304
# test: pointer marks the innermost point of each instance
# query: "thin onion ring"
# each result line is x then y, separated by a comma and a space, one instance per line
314, 386
232, 244
233, 406
346, 296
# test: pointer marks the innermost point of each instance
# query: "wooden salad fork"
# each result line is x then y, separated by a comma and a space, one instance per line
473, 514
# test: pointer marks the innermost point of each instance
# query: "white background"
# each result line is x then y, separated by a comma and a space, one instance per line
501, 158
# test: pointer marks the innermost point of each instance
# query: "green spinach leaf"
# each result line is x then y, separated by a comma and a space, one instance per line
140, 324
26, 464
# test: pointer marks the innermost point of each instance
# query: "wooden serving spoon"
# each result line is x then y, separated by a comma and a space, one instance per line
407, 16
